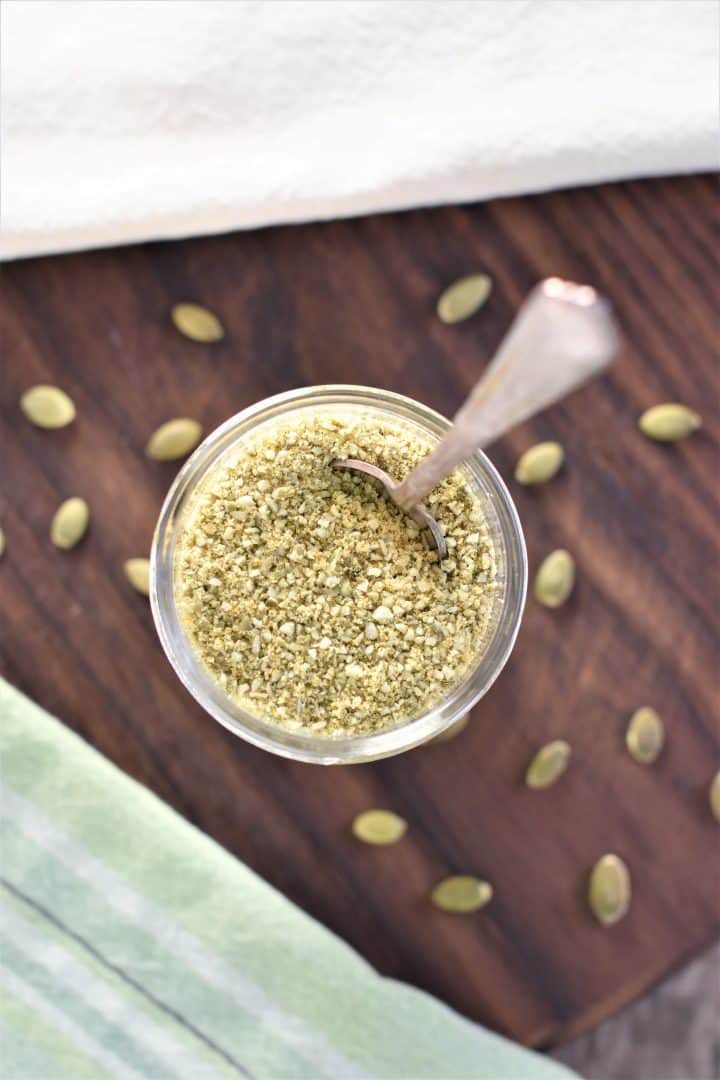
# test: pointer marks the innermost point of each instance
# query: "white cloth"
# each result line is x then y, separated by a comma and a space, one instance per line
134, 119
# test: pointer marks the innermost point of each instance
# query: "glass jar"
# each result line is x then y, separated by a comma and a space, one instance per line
503, 623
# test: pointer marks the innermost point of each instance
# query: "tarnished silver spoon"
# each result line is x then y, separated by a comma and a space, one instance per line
563, 335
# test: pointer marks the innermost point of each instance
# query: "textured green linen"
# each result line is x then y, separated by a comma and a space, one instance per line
133, 946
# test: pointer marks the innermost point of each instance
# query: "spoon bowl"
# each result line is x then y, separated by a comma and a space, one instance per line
418, 512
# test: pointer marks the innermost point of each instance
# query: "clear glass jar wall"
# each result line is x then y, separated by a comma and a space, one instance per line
503, 624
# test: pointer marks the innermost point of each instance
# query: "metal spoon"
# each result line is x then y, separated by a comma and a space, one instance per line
563, 335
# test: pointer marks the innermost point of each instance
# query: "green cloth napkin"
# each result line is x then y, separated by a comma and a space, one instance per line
135, 947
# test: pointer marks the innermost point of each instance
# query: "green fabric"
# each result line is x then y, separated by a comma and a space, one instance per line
133, 946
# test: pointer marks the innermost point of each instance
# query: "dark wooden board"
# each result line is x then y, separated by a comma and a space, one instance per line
353, 301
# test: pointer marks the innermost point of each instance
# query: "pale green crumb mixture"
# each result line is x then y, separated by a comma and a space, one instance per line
312, 599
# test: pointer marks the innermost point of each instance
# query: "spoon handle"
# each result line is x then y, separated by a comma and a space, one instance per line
563, 335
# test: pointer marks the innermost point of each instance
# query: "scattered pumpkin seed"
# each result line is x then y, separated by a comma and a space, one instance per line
555, 578
197, 323
69, 523
645, 735
2, 543
379, 827
453, 730
48, 406
669, 422
463, 298
461, 894
174, 439
548, 765
715, 796
137, 571
610, 892
540, 463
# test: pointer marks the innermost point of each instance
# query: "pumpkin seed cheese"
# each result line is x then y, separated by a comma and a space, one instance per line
313, 600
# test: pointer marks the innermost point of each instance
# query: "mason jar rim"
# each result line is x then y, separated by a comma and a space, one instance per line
302, 745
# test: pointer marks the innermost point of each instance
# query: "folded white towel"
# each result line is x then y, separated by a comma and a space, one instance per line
140, 119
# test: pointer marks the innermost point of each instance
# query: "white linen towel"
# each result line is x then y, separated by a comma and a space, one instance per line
137, 119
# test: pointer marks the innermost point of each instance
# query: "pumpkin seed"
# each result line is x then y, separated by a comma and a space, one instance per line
540, 463
669, 422
548, 765
69, 523
715, 795
555, 578
174, 439
610, 892
379, 827
463, 298
48, 406
461, 894
2, 543
645, 735
453, 730
137, 571
197, 323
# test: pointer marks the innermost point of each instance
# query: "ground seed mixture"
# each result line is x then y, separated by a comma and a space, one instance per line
312, 599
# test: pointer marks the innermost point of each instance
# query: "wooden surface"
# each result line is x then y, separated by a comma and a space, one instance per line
672, 1033
353, 302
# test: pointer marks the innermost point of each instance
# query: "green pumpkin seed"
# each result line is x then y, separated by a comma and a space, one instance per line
379, 827
2, 543
555, 578
548, 765
645, 735
610, 892
715, 796
197, 323
174, 440
540, 463
453, 730
463, 298
48, 407
461, 894
669, 422
69, 523
137, 571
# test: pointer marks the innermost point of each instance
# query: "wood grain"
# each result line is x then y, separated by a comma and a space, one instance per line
353, 301
670, 1033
